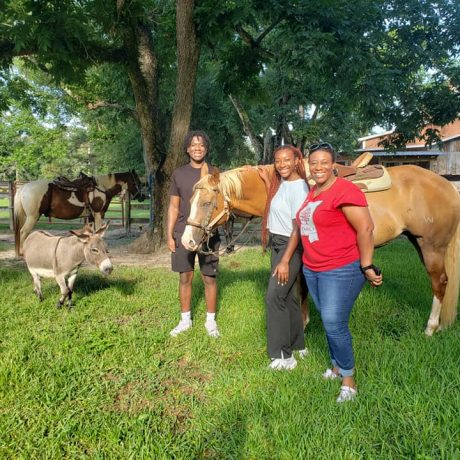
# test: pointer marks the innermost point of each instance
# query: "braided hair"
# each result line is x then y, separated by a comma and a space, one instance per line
275, 185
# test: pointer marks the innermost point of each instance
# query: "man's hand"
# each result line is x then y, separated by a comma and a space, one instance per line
171, 244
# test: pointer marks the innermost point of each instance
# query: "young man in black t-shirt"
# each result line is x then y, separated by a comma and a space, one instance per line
196, 145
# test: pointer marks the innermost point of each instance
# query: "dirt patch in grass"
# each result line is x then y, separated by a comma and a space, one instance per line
119, 246
117, 241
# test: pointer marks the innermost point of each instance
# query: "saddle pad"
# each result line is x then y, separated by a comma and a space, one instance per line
378, 184
368, 184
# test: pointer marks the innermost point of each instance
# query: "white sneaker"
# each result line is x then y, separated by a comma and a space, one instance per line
280, 364
346, 394
211, 327
302, 353
184, 325
330, 375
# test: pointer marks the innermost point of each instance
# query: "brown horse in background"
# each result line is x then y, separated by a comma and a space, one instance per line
420, 204
45, 197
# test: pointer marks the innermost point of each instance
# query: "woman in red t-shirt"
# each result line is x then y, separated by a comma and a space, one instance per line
336, 230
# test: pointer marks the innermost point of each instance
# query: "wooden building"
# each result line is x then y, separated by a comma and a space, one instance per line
442, 158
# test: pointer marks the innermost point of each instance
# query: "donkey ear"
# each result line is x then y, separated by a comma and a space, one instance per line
81, 235
103, 229
204, 170
88, 228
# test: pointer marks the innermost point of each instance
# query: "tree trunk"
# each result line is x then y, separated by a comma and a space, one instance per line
143, 74
188, 52
268, 147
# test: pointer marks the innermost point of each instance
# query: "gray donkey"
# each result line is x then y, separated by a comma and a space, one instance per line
60, 257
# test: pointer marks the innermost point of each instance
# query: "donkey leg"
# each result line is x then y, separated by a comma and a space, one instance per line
434, 263
37, 286
60, 280
70, 284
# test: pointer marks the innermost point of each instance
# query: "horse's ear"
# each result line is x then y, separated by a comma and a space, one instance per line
103, 229
215, 178
204, 170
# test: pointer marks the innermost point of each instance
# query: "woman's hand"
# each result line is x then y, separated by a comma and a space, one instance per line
373, 278
263, 173
282, 272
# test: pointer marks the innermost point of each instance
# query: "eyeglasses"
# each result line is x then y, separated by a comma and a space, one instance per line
322, 146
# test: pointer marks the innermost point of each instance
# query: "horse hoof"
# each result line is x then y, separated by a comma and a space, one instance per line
59, 305
429, 331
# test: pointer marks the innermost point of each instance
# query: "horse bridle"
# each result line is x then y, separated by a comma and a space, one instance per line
138, 189
208, 226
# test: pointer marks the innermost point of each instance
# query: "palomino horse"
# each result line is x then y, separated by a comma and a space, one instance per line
45, 197
420, 204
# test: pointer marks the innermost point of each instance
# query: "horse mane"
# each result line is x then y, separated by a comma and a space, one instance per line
229, 183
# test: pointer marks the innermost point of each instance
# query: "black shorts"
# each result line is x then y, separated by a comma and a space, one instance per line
184, 261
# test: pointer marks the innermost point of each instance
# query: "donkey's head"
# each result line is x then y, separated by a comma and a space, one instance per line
95, 249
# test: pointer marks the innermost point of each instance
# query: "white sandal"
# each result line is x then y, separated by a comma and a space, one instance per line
330, 375
346, 394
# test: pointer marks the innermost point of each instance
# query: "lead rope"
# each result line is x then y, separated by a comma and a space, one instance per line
223, 251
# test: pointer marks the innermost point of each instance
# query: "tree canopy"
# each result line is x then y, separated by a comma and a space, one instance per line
136, 75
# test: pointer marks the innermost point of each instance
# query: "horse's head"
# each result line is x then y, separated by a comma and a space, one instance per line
135, 186
204, 212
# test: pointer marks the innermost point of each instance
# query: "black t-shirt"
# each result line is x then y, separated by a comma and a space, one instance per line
182, 182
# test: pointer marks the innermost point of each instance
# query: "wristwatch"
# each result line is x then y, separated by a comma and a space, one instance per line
374, 267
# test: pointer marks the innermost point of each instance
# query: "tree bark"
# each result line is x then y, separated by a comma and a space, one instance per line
188, 53
247, 127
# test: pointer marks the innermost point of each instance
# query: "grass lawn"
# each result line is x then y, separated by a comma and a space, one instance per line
107, 381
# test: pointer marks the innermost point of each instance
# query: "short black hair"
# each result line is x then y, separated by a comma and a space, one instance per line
197, 133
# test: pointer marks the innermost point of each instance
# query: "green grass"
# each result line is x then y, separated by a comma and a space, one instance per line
107, 381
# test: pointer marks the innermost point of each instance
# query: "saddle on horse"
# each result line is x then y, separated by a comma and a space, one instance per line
82, 182
369, 178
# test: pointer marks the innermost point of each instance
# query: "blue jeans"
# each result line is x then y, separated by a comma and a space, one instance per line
334, 293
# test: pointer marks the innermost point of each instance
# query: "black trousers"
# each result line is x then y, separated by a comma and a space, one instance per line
284, 319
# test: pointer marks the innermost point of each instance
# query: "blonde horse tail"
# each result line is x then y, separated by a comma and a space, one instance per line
18, 222
452, 264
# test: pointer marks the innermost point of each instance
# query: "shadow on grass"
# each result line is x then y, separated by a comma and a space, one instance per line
88, 283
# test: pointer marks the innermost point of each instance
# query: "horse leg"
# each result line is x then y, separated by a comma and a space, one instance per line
97, 221
60, 280
26, 229
303, 291
37, 286
434, 263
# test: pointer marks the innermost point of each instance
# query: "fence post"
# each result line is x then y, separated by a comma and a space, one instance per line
11, 190
128, 212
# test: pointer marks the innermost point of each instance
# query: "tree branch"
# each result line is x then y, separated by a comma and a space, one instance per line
113, 105
254, 44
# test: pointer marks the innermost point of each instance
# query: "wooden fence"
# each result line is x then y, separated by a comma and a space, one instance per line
120, 210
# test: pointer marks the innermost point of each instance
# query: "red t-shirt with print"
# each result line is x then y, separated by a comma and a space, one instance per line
328, 239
